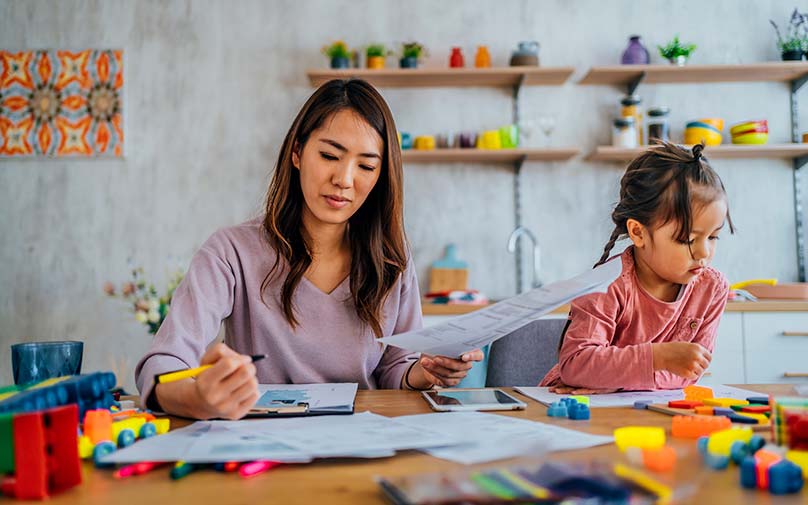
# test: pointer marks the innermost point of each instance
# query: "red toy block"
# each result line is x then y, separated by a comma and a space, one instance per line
685, 404
698, 426
61, 437
756, 409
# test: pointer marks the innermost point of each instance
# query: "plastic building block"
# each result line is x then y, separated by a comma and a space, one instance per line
568, 400
748, 473
162, 425
800, 458
763, 460
685, 404
642, 404
659, 460
644, 437
716, 461
579, 412
557, 409
785, 478
723, 411
85, 447
89, 391
738, 451
126, 437
98, 425
704, 410
759, 418
102, 450
701, 444
132, 424
147, 430
756, 443
758, 400
739, 419
6, 444
756, 409
697, 426
697, 392
721, 441
584, 400
724, 402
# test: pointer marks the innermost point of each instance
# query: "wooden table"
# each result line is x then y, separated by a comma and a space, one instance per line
350, 481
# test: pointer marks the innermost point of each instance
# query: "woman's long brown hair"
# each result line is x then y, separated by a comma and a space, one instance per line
375, 232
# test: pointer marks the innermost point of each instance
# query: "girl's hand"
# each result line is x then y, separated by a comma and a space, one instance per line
229, 388
685, 359
563, 389
441, 370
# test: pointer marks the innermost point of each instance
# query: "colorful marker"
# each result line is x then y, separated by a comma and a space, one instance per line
181, 469
256, 468
192, 372
137, 469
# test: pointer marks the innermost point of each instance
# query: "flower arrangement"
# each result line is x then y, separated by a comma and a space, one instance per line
796, 38
412, 50
149, 308
338, 49
674, 50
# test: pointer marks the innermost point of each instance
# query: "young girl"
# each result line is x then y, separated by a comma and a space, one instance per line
656, 325
312, 283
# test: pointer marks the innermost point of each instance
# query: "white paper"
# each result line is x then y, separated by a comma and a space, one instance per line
320, 397
480, 328
488, 437
291, 440
627, 398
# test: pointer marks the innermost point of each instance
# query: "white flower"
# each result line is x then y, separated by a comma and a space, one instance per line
141, 316
154, 304
154, 316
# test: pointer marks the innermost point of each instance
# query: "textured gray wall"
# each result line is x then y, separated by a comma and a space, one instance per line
212, 86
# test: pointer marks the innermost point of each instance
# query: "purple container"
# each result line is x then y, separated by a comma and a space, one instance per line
635, 53
467, 139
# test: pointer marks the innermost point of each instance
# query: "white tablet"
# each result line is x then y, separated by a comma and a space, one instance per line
445, 400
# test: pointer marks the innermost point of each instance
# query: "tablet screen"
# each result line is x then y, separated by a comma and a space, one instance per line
470, 398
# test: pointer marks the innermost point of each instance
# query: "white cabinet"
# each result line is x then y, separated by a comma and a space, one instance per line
727, 366
776, 346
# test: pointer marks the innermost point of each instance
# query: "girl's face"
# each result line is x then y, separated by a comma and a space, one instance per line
680, 262
339, 166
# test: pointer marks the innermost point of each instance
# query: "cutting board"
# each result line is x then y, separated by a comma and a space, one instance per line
781, 291
449, 273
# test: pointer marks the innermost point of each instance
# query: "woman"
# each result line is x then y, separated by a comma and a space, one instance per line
312, 283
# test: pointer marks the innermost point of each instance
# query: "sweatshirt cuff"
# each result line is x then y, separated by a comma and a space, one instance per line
646, 366
155, 365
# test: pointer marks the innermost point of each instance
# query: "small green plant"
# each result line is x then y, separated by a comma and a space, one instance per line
796, 38
674, 49
376, 50
337, 49
412, 50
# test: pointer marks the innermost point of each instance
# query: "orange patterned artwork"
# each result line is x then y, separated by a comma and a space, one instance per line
61, 103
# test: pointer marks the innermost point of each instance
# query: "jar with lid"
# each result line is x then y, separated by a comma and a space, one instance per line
632, 107
624, 132
658, 126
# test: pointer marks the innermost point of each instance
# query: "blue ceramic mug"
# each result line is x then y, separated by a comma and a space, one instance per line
37, 361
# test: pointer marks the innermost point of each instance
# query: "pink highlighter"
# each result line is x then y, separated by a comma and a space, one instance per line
256, 467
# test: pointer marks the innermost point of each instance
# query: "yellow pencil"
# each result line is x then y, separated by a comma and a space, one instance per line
192, 372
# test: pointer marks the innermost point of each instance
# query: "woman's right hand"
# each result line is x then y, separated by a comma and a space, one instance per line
226, 390
685, 359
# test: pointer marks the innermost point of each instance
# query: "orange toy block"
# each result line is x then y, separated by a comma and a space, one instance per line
698, 426
98, 425
704, 411
763, 460
697, 393
659, 460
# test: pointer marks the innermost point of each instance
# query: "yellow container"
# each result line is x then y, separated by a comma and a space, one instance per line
751, 138
375, 62
713, 121
424, 142
490, 139
695, 135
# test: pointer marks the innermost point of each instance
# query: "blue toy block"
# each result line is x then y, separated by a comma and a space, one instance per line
642, 404
579, 412
721, 411
735, 418
758, 400
738, 451
785, 477
701, 444
748, 473
756, 443
568, 401
557, 409
86, 391
716, 461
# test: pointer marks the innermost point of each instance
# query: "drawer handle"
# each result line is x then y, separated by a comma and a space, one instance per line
795, 374
707, 374
795, 333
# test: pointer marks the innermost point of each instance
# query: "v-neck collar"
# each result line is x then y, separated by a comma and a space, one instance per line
338, 289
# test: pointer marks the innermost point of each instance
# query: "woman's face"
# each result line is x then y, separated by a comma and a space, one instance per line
339, 166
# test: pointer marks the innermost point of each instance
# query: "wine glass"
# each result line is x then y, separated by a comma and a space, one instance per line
547, 124
526, 129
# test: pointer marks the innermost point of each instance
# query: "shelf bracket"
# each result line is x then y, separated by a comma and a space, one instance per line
798, 83
517, 88
634, 83
799, 163
517, 216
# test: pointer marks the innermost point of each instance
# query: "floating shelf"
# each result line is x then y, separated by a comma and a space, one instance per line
781, 71
487, 155
786, 151
448, 77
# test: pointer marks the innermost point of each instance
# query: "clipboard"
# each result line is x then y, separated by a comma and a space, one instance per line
298, 410
286, 400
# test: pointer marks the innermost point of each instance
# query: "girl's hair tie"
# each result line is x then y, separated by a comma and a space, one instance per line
697, 149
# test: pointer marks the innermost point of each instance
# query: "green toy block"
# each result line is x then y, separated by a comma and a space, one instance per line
6, 443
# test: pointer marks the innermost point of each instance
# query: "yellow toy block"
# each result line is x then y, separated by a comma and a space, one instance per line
644, 437
761, 418
799, 458
724, 402
131, 423
581, 399
720, 442
697, 393
162, 425
85, 447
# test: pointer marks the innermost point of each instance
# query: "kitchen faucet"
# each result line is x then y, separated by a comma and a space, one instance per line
512, 242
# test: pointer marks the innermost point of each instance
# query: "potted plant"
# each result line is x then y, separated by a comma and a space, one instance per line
339, 54
793, 45
411, 52
676, 52
375, 55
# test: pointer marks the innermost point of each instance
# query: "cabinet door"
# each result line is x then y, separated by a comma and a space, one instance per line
776, 347
727, 365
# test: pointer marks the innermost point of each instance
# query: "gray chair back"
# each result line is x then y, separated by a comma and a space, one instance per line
523, 357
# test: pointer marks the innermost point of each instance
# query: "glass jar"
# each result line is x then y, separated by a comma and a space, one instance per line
658, 126
624, 132
632, 108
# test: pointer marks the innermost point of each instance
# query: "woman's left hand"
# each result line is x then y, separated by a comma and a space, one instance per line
446, 372
563, 389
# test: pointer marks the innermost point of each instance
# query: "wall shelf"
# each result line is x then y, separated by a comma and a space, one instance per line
735, 151
487, 155
623, 75
449, 77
